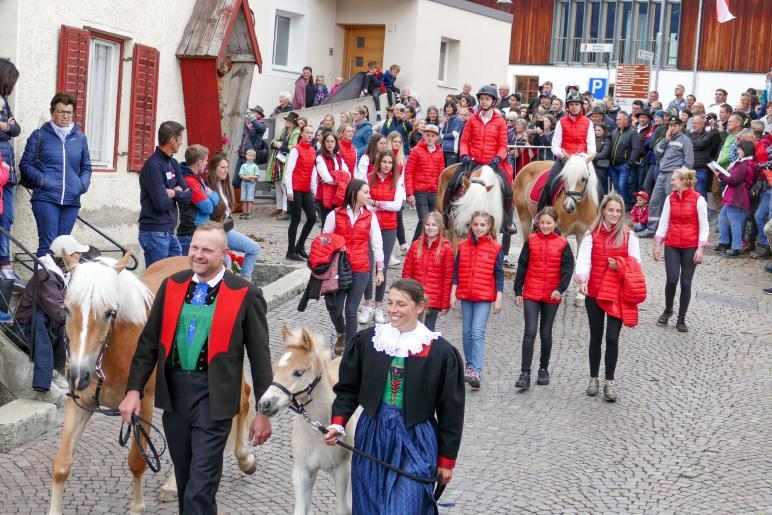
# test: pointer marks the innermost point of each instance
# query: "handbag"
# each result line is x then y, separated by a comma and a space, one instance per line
227, 224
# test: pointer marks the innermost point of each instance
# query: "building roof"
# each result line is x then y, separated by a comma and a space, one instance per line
483, 8
210, 32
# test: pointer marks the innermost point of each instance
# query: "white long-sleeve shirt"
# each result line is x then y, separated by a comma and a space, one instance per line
584, 258
702, 216
557, 139
362, 166
292, 160
392, 205
324, 173
376, 240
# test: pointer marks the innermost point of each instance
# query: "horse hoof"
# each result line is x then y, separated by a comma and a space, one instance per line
167, 495
249, 465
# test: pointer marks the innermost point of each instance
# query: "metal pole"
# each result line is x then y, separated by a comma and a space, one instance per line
660, 43
697, 50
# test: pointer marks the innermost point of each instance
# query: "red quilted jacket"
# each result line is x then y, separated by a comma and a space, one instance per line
484, 141
423, 169
622, 290
434, 273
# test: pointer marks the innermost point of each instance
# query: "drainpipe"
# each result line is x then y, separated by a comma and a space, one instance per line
697, 49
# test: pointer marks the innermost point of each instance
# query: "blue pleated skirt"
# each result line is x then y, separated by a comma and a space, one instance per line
379, 491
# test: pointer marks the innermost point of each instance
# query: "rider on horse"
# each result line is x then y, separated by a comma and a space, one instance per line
484, 142
574, 134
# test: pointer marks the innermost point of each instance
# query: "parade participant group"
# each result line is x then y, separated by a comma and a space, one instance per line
353, 183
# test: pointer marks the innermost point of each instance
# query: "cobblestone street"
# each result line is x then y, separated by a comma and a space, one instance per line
689, 434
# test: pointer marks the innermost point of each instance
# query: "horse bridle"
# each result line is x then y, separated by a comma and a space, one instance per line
295, 405
576, 196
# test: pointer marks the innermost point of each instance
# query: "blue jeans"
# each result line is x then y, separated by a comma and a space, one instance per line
475, 317
637, 179
184, 244
158, 245
6, 221
52, 220
619, 175
731, 222
247, 246
764, 213
702, 182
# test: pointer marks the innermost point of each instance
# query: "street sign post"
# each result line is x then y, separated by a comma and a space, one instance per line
645, 55
596, 47
632, 83
598, 87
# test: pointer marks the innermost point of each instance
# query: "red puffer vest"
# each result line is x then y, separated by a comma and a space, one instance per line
433, 272
574, 133
476, 264
484, 141
382, 190
349, 154
328, 193
305, 167
683, 232
543, 275
423, 169
602, 249
357, 238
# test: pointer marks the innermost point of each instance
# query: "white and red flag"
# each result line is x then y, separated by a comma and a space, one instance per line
722, 11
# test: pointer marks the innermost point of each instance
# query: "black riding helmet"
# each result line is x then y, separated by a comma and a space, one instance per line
490, 91
573, 97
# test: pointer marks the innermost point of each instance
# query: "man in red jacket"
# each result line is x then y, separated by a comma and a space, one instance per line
574, 134
484, 142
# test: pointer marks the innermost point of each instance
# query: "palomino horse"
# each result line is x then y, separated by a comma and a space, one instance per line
481, 193
107, 307
576, 204
304, 373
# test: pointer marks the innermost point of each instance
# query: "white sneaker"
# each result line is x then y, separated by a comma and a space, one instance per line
364, 314
394, 262
380, 317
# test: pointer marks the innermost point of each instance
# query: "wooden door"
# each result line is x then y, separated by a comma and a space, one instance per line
527, 86
364, 43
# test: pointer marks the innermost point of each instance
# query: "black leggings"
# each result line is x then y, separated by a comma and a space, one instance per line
400, 228
531, 311
679, 262
342, 305
304, 201
430, 320
596, 317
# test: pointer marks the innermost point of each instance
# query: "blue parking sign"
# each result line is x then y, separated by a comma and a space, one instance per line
598, 87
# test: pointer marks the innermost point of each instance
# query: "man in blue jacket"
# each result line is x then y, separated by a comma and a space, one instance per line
363, 130
57, 164
161, 188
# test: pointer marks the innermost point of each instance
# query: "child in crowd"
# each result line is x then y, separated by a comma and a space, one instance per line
389, 78
430, 262
320, 90
478, 282
249, 174
338, 84
639, 214
373, 85
543, 274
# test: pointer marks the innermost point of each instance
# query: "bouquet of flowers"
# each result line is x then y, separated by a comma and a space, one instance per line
236, 262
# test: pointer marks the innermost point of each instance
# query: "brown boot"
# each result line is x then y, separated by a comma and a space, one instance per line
276, 212
340, 344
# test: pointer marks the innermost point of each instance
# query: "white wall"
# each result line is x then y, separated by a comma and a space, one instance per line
707, 82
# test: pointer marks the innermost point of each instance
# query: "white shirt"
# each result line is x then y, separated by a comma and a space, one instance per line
399, 198
324, 173
362, 166
702, 216
292, 160
376, 240
584, 259
557, 139
211, 282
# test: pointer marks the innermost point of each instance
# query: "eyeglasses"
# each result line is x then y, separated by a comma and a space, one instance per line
64, 113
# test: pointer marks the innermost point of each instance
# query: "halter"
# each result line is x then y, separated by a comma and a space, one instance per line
298, 407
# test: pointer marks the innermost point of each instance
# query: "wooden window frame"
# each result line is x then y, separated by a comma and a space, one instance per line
120, 42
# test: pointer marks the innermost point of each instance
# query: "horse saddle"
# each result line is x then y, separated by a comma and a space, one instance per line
539, 185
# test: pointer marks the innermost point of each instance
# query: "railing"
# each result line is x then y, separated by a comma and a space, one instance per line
540, 157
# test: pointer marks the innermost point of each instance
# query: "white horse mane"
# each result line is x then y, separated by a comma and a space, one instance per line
478, 198
574, 170
97, 286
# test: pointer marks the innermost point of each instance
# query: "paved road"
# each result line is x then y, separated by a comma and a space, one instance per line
690, 433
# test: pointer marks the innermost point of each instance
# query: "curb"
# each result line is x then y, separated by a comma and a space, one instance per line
283, 289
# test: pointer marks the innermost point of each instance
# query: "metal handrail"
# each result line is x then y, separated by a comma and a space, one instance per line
120, 248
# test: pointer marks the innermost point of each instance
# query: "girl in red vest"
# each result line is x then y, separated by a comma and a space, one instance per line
396, 144
430, 262
387, 194
478, 282
543, 274
683, 226
333, 177
300, 180
367, 161
360, 227
606, 240
347, 149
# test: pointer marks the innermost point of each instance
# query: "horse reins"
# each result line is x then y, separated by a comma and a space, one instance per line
299, 409
135, 429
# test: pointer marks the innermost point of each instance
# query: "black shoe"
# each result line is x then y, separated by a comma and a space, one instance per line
524, 381
544, 377
664, 317
732, 253
681, 324
509, 228
302, 253
721, 247
767, 291
340, 344
294, 257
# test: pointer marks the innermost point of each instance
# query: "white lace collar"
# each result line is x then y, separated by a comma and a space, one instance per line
389, 340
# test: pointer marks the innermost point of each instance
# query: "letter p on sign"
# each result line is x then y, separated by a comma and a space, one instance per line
598, 87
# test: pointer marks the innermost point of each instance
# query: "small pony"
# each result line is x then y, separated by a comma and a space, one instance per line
308, 373
482, 194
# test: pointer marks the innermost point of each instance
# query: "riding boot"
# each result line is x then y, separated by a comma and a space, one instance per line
508, 227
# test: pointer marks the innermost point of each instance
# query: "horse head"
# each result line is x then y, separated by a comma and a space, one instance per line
482, 194
100, 294
296, 373
580, 181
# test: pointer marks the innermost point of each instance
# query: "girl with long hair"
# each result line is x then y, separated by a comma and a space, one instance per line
333, 177
366, 163
300, 181
395, 143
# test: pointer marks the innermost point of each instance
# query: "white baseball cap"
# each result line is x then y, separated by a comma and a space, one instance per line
432, 128
68, 244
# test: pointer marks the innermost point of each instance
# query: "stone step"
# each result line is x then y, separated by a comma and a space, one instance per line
23, 420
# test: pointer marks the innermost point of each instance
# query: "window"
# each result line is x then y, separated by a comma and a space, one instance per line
443, 71
290, 39
281, 40
628, 25
447, 72
102, 109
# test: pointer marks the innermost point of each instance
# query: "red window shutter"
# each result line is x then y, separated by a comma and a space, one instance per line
72, 76
144, 101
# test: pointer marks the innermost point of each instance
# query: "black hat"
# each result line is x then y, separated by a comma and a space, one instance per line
675, 120
596, 110
258, 110
645, 112
292, 116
